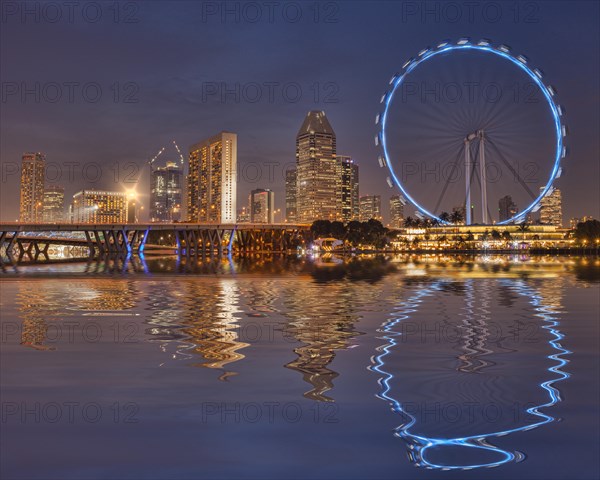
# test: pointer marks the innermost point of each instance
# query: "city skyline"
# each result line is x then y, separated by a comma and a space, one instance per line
176, 108
166, 190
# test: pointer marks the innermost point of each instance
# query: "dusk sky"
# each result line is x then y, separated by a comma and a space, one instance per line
168, 57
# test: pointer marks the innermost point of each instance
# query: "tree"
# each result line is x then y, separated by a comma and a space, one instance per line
496, 235
456, 217
409, 222
506, 236
523, 228
444, 217
354, 233
375, 233
588, 231
321, 228
338, 230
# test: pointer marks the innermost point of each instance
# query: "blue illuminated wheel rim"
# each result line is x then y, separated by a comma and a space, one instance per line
500, 51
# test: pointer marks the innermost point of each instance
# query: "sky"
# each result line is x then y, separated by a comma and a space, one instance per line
100, 87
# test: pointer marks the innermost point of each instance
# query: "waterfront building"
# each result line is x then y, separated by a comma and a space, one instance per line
97, 206
506, 208
212, 179
575, 220
166, 193
290, 195
262, 206
370, 207
482, 237
31, 205
54, 204
349, 188
396, 212
318, 175
551, 208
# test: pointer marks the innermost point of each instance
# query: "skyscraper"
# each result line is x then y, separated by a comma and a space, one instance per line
551, 208
212, 179
507, 208
396, 212
262, 206
165, 193
97, 206
318, 180
370, 207
349, 188
290, 195
32, 187
54, 204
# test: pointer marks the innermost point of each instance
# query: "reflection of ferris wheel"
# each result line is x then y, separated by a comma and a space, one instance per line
476, 144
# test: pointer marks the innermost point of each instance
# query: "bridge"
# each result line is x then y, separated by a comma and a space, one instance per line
19, 241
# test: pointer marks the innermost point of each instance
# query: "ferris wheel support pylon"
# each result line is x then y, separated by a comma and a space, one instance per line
478, 135
468, 219
482, 174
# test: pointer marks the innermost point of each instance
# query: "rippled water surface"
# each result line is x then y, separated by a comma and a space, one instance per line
378, 368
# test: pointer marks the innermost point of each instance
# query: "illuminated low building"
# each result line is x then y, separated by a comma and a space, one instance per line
482, 237
262, 206
96, 206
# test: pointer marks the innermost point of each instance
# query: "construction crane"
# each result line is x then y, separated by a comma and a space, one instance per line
181, 159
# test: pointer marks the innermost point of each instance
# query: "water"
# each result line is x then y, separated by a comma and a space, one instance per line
266, 368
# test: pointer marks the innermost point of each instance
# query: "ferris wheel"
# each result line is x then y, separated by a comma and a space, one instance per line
462, 152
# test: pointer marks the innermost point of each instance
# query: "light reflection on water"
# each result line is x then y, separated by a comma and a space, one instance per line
429, 451
450, 331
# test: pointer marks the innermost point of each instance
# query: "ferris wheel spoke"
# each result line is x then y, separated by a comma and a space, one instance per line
454, 167
512, 169
479, 182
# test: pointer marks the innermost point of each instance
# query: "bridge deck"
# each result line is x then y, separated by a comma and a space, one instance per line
192, 239
83, 227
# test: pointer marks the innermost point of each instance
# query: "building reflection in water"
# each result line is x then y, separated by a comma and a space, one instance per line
322, 319
37, 306
544, 298
49, 302
200, 319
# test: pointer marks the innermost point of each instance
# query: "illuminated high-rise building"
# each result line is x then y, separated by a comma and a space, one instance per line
396, 211
349, 188
212, 180
318, 177
54, 204
166, 193
370, 207
262, 206
507, 208
575, 220
551, 208
290, 195
31, 207
243, 215
96, 206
